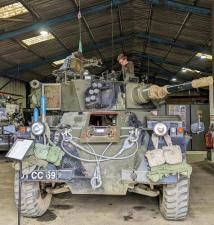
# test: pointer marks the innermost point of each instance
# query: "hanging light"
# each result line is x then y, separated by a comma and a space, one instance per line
184, 70
44, 33
204, 56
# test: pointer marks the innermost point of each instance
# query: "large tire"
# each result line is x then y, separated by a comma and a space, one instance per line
174, 200
34, 203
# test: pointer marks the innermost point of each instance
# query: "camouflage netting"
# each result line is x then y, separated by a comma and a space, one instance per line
202, 82
156, 92
159, 172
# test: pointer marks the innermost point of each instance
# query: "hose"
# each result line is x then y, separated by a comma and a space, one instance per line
101, 160
96, 180
86, 150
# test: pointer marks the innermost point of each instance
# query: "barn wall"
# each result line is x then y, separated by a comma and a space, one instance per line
14, 87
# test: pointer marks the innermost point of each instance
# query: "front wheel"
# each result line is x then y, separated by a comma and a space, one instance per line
34, 200
174, 200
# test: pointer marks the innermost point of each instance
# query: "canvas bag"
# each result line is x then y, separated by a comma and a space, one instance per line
172, 153
155, 157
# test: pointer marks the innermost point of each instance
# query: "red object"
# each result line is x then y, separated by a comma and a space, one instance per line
208, 140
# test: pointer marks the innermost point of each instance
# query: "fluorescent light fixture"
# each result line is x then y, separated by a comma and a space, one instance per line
44, 33
38, 39
12, 10
184, 70
204, 56
174, 79
59, 62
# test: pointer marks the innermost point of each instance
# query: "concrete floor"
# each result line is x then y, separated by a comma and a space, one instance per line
108, 210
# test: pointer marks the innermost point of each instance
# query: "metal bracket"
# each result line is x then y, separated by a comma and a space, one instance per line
128, 176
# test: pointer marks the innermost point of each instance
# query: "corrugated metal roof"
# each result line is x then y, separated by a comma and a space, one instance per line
136, 16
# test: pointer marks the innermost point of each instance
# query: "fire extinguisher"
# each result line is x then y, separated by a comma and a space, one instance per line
209, 140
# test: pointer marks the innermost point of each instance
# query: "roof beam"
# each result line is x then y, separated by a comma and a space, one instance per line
155, 71
15, 66
187, 17
171, 4
167, 41
160, 74
103, 44
163, 61
67, 17
143, 35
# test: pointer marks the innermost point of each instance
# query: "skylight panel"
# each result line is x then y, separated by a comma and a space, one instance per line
38, 39
12, 10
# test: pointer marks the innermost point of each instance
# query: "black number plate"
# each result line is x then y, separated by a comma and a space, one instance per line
41, 175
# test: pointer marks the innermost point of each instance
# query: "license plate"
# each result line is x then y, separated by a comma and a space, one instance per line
41, 175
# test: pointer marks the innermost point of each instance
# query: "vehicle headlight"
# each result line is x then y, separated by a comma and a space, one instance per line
160, 129
38, 128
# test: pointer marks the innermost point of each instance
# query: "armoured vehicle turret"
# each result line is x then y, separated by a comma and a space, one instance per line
97, 136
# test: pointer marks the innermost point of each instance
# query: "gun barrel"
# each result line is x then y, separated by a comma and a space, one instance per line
144, 95
180, 87
198, 83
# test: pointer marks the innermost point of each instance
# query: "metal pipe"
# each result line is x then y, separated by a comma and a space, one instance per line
211, 89
212, 30
210, 153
